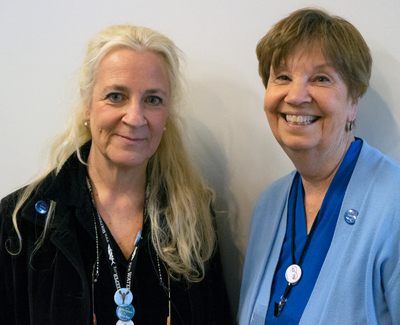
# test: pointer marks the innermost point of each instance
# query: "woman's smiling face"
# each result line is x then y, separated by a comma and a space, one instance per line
307, 103
130, 107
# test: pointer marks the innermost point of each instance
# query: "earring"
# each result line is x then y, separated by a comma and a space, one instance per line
86, 123
165, 128
351, 125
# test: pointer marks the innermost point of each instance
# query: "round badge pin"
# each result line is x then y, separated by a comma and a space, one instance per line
350, 216
293, 274
123, 297
41, 207
120, 322
125, 313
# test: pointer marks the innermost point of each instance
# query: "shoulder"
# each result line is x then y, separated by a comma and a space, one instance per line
373, 160
35, 192
7, 206
8, 203
277, 188
274, 196
374, 192
377, 174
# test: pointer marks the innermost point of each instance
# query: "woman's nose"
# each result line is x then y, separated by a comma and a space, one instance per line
298, 93
134, 114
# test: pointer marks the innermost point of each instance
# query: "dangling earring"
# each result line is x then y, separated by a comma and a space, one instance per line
351, 126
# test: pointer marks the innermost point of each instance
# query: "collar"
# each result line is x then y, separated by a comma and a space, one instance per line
69, 185
67, 188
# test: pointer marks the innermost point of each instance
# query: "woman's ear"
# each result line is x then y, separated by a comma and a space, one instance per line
87, 114
87, 109
353, 110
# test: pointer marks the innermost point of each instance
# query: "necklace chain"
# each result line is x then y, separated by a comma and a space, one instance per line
159, 271
96, 273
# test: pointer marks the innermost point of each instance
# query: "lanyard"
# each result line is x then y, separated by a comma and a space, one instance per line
123, 296
294, 271
112, 264
328, 213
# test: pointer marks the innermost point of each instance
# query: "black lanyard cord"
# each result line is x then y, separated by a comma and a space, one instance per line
279, 306
309, 237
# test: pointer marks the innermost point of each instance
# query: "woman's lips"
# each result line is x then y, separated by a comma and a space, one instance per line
131, 140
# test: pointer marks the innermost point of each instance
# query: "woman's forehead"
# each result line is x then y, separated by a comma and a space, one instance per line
301, 52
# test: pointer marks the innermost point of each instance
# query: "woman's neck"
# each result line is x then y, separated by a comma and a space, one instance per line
119, 195
318, 167
110, 177
317, 170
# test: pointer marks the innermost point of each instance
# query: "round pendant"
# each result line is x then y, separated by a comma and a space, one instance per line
120, 322
125, 313
123, 297
293, 274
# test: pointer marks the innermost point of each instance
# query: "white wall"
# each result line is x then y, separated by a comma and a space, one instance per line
42, 45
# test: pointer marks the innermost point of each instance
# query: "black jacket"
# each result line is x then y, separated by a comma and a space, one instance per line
53, 286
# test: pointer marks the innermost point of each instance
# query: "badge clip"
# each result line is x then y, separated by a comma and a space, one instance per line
279, 307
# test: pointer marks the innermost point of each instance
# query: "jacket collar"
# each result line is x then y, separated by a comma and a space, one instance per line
67, 188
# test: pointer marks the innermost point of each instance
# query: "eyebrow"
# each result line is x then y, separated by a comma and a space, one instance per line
156, 90
111, 88
316, 68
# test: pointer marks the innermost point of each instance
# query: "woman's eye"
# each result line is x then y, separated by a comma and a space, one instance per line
283, 78
153, 100
115, 97
322, 79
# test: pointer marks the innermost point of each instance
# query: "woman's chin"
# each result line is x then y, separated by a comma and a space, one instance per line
123, 160
129, 162
298, 143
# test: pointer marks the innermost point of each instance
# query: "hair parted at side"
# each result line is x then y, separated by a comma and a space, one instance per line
341, 43
183, 233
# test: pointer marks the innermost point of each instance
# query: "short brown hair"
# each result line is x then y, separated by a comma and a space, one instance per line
341, 43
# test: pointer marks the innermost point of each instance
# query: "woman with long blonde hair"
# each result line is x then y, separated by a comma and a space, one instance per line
120, 228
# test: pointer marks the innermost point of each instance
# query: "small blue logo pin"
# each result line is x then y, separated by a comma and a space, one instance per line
351, 216
41, 207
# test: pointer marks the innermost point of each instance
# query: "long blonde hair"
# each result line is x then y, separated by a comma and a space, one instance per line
183, 232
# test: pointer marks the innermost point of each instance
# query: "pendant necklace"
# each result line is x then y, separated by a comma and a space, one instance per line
294, 272
123, 295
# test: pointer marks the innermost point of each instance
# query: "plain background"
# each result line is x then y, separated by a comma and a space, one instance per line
43, 43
